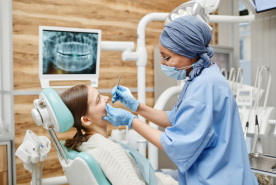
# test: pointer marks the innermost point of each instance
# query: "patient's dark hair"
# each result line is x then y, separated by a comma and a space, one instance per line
75, 99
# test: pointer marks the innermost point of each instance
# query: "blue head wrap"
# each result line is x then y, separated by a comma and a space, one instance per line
188, 36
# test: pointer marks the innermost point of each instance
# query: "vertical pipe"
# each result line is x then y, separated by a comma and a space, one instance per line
1, 72
159, 105
40, 173
141, 64
54, 142
34, 173
58, 145
214, 31
141, 75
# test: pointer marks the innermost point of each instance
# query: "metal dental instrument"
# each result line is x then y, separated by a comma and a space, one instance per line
257, 128
255, 133
117, 85
254, 98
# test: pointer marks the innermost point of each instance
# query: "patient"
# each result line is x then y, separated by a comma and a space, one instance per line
88, 107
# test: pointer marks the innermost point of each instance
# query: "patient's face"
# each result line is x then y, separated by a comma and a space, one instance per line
96, 106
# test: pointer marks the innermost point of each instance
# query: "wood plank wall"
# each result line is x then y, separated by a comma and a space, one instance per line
118, 20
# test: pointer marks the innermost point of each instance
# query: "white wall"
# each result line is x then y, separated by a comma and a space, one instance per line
263, 52
228, 34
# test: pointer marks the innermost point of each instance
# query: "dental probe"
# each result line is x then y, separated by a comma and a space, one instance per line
117, 85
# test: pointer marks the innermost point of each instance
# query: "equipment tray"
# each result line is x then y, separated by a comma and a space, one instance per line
263, 163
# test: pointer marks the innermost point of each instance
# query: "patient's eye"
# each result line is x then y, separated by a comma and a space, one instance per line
99, 99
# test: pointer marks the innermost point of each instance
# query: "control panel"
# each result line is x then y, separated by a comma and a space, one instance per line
244, 97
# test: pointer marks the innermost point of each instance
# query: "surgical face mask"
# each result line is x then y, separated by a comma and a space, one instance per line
176, 73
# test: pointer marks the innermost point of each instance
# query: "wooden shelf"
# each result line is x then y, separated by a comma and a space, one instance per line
4, 178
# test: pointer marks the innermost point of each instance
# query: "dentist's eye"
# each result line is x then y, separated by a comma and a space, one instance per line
167, 58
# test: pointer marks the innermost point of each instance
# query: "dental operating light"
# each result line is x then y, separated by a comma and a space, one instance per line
201, 9
198, 8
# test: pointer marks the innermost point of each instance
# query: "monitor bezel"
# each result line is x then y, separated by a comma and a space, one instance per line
68, 76
262, 10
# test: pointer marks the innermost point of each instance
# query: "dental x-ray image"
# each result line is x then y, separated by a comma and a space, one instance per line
69, 52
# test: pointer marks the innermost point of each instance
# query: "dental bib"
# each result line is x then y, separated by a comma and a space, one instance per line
143, 164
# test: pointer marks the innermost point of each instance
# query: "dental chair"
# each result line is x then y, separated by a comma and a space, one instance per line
79, 167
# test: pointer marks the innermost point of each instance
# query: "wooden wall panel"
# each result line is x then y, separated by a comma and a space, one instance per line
118, 21
4, 178
3, 158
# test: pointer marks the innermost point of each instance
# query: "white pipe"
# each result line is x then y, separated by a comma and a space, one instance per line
55, 180
240, 72
231, 19
159, 105
40, 173
34, 173
144, 22
116, 45
249, 6
141, 66
223, 70
128, 55
268, 85
141, 75
210, 7
272, 122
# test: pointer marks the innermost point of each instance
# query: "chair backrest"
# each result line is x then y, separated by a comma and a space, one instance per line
82, 160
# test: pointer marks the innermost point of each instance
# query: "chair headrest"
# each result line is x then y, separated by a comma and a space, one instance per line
60, 115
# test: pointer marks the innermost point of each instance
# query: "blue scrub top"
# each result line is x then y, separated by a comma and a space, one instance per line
206, 139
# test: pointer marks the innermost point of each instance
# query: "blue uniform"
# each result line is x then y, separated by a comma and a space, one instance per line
206, 139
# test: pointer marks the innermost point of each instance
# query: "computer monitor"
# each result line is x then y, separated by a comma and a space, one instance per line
264, 5
68, 54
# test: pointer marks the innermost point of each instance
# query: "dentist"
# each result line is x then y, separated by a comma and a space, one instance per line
203, 134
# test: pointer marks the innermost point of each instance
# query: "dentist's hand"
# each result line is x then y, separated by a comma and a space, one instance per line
118, 117
124, 95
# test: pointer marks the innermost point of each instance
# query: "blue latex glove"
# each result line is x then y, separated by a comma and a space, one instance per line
118, 117
124, 95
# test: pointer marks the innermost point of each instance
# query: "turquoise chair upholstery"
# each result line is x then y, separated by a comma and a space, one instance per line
90, 161
63, 115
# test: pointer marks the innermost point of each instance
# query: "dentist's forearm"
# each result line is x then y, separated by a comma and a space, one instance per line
149, 133
157, 117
